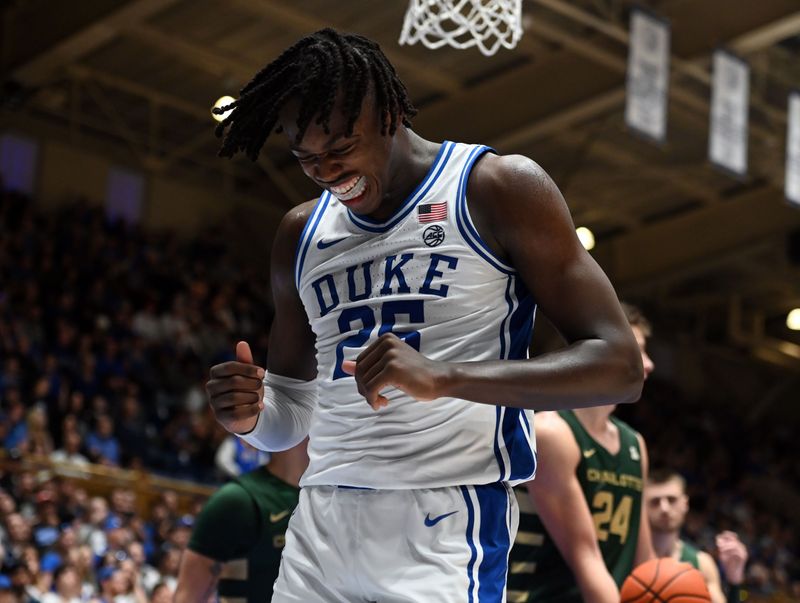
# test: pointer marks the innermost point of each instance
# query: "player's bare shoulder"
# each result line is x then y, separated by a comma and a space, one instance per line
513, 198
504, 178
285, 244
295, 220
500, 191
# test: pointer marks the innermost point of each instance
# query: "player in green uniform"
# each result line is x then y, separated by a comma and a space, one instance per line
667, 503
236, 545
583, 528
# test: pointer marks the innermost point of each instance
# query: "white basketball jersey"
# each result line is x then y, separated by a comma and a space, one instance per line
426, 276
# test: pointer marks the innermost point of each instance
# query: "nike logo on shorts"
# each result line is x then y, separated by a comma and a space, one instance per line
430, 522
325, 244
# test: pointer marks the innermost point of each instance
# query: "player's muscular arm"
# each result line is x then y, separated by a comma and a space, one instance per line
197, 578
235, 389
708, 568
644, 546
522, 215
291, 335
564, 511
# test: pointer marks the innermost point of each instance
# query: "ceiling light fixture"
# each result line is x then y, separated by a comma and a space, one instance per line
586, 237
793, 319
221, 102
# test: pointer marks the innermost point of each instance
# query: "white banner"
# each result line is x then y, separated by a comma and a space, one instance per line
730, 100
793, 149
648, 75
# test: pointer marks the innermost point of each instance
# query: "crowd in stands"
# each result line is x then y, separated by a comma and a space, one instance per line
106, 335
61, 545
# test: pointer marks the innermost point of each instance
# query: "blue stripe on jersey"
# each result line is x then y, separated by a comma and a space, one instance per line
308, 234
439, 163
522, 459
521, 310
498, 455
494, 540
499, 417
464, 222
521, 324
470, 542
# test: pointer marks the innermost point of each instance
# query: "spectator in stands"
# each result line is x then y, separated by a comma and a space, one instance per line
67, 584
113, 585
84, 565
162, 593
22, 582
101, 443
92, 532
40, 578
17, 535
149, 575
134, 588
71, 449
7, 504
25, 490
38, 439
17, 427
168, 565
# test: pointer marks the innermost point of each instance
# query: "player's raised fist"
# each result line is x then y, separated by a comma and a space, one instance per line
236, 390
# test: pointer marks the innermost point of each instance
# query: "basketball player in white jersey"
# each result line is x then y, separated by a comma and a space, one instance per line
404, 302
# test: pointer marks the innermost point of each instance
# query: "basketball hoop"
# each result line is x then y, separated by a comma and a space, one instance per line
487, 24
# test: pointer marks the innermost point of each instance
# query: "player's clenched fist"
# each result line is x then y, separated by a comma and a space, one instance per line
236, 391
391, 362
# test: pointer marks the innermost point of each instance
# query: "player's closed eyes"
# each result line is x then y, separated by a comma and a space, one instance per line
337, 151
343, 150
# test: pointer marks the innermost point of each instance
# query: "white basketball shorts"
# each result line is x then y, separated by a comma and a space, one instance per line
444, 545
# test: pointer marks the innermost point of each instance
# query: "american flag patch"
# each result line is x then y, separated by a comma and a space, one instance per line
432, 212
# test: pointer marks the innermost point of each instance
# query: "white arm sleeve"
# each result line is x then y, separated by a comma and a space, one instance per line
286, 418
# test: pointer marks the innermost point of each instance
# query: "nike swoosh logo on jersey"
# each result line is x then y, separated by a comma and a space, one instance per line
276, 517
325, 244
587, 454
432, 522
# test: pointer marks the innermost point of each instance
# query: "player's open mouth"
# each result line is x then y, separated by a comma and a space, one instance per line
351, 189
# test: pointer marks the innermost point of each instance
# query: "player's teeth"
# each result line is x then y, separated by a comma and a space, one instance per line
343, 188
351, 192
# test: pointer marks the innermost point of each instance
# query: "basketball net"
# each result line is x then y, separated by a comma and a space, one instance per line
487, 24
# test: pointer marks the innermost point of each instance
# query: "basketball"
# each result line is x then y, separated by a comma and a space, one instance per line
661, 580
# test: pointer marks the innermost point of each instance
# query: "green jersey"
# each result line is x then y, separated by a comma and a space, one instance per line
243, 525
612, 485
689, 554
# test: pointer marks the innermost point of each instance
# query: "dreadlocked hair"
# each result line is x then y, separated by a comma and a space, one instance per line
315, 69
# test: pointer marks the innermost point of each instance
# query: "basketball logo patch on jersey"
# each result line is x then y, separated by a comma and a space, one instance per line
433, 236
634, 454
432, 212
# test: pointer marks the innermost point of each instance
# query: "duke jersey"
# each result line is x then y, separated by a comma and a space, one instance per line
425, 275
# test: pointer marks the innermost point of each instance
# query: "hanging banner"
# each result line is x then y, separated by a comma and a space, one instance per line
792, 186
730, 100
648, 75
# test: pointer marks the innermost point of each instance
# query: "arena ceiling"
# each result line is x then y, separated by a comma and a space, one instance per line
707, 254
